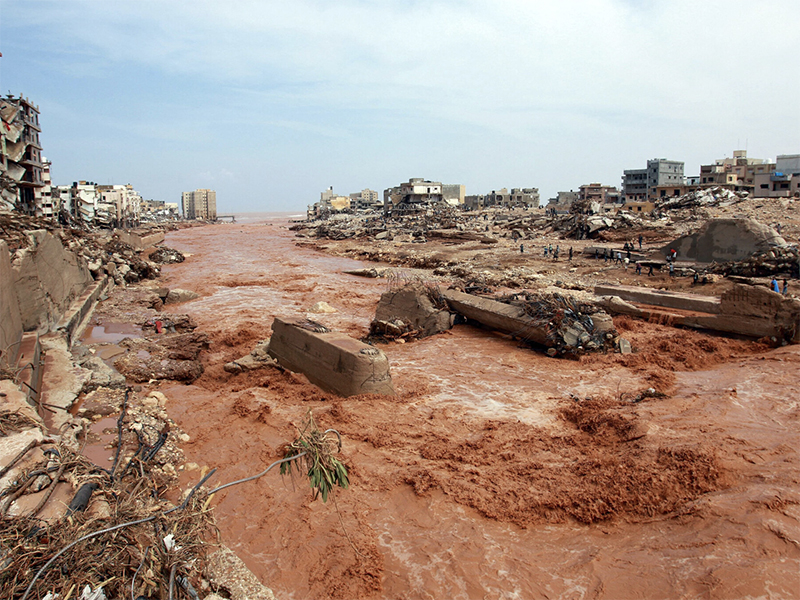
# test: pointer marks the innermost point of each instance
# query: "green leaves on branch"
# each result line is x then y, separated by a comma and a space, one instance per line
324, 471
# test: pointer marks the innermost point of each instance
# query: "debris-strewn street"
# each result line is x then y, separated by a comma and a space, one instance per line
505, 393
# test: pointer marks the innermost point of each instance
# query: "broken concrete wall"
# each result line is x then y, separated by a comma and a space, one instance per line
497, 315
413, 305
752, 311
724, 240
140, 240
10, 320
756, 301
47, 279
333, 361
665, 298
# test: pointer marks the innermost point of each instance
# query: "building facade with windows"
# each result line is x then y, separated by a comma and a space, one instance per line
640, 185
199, 204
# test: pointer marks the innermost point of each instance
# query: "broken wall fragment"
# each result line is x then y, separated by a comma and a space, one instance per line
333, 361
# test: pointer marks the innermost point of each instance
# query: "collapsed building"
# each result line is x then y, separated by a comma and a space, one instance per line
21, 162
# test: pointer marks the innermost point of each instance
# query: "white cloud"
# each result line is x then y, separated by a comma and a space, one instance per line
638, 78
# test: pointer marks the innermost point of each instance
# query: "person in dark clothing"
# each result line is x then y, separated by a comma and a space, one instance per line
521, 248
785, 287
570, 252
650, 272
640, 241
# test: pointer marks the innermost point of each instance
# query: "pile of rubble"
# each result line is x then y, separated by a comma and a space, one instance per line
167, 256
715, 196
778, 261
572, 327
102, 254
116, 259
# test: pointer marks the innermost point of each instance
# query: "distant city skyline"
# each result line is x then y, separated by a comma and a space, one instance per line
270, 103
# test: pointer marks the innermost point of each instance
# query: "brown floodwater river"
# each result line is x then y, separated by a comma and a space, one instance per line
496, 472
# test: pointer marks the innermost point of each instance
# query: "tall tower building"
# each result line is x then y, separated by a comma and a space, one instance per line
199, 204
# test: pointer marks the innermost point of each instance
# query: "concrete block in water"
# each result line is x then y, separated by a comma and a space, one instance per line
334, 361
411, 303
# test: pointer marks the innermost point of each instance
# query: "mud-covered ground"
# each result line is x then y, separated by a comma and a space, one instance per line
496, 472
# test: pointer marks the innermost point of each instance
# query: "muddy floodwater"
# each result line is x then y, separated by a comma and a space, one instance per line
496, 472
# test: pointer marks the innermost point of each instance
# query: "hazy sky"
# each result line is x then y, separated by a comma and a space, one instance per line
271, 102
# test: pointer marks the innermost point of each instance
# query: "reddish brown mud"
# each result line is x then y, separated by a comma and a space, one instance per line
496, 472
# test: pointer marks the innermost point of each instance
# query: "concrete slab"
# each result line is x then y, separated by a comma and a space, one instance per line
10, 319
667, 299
333, 361
497, 315
411, 303
140, 240
74, 319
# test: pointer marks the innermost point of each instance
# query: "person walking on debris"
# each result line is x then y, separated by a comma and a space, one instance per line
605, 255
672, 269
521, 248
555, 253
570, 252
785, 287
774, 284
545, 251
638, 268
640, 241
650, 272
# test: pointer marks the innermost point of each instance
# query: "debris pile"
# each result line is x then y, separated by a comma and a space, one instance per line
169, 350
117, 534
779, 261
167, 256
572, 327
715, 196
103, 255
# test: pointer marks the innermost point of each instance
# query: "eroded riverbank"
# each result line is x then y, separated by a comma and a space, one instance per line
473, 481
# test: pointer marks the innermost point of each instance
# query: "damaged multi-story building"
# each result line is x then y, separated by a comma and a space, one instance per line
516, 198
199, 204
366, 199
415, 195
642, 185
419, 195
21, 163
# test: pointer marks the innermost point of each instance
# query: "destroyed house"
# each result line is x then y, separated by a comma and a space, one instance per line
415, 195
